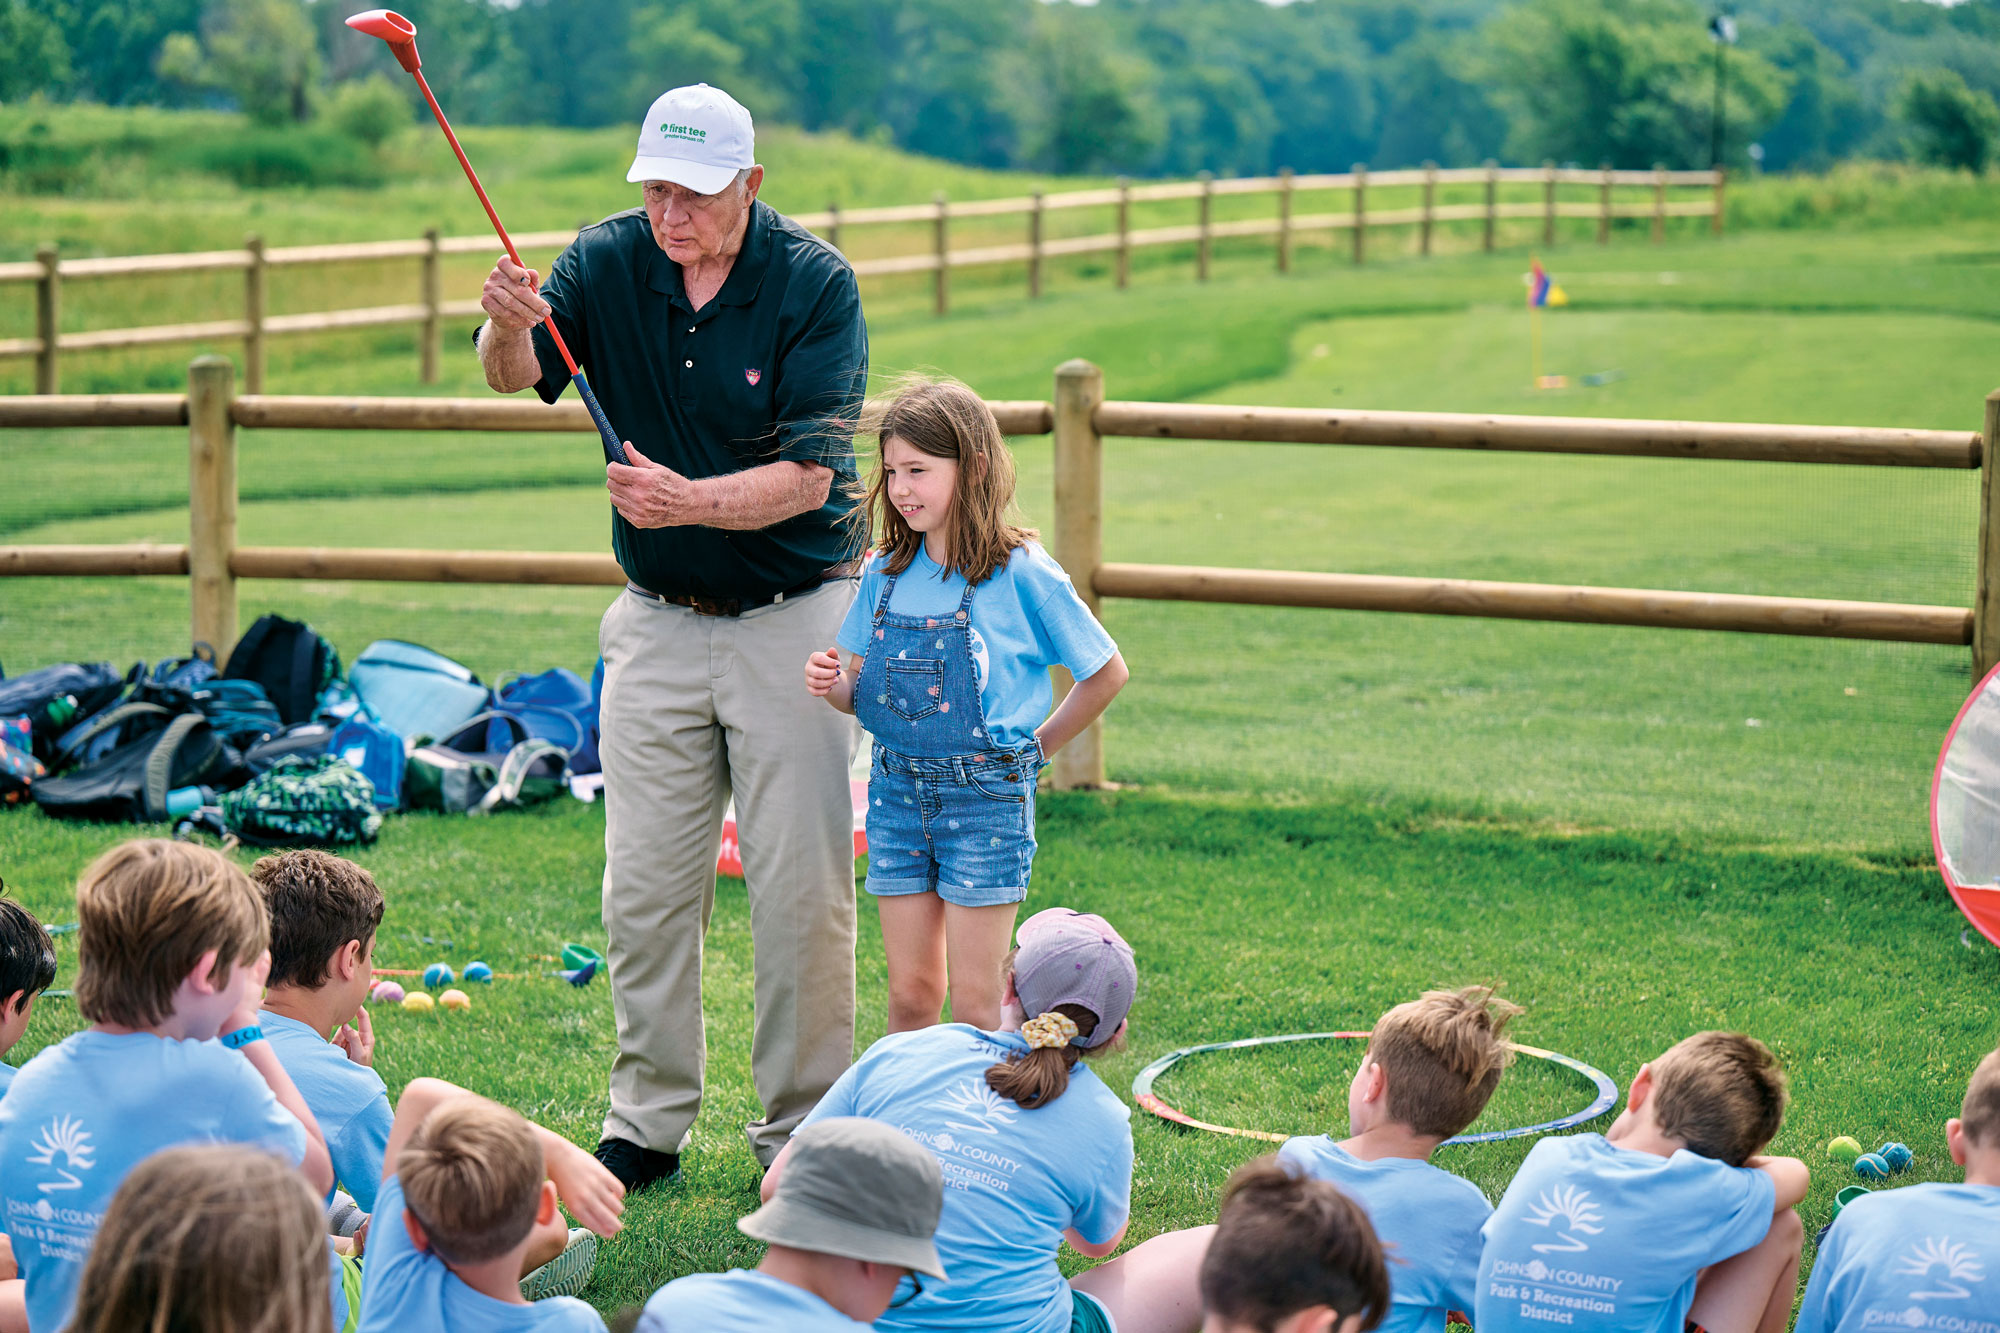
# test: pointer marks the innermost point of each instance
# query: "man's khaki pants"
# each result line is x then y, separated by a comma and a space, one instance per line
695, 707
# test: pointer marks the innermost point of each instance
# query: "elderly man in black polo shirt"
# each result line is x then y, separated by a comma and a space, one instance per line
726, 345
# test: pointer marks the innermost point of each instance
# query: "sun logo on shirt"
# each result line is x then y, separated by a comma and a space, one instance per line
1576, 1210
63, 1137
1961, 1263
986, 1110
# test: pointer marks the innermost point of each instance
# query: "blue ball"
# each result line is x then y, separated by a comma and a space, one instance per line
1897, 1155
478, 972
439, 974
1870, 1166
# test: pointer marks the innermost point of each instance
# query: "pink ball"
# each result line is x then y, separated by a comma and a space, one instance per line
386, 992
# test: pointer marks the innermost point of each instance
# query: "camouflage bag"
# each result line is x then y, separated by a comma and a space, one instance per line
321, 801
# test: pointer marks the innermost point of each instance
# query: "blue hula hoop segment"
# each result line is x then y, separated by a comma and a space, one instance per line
1142, 1089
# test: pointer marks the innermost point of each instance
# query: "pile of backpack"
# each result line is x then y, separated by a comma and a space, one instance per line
279, 746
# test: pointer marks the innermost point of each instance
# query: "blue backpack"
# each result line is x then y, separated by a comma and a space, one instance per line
414, 691
554, 705
377, 752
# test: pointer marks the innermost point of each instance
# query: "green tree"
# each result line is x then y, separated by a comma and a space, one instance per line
36, 58
369, 110
262, 53
1953, 124
1081, 107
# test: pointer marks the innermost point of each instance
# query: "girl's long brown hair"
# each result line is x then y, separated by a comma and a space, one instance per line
945, 419
219, 1238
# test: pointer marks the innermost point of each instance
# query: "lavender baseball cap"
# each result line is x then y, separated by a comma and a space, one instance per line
1068, 957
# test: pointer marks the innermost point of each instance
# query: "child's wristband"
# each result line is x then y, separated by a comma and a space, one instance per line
242, 1037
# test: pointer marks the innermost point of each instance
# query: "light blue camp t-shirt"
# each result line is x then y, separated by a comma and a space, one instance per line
1922, 1257
1025, 619
86, 1111
7, 1073
740, 1300
408, 1290
349, 1101
1593, 1236
1014, 1179
1427, 1219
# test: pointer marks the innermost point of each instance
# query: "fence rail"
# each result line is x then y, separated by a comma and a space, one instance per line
1079, 418
49, 271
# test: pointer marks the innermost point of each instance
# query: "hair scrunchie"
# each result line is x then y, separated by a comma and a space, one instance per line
1050, 1029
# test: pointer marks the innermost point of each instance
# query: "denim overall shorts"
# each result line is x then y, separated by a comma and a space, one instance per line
949, 812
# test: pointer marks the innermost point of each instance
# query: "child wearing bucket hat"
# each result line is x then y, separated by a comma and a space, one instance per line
852, 1222
1034, 1149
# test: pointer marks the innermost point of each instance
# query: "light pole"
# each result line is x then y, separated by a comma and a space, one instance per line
1722, 31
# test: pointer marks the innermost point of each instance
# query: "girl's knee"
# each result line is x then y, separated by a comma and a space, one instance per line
915, 1003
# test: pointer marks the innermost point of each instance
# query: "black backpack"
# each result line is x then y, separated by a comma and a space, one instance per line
162, 752
57, 697
290, 660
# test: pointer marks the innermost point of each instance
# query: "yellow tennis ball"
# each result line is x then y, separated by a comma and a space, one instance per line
417, 1002
455, 999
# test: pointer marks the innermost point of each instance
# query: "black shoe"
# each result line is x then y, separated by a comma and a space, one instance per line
637, 1167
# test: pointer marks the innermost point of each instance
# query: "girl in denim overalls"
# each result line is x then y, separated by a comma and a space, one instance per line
960, 615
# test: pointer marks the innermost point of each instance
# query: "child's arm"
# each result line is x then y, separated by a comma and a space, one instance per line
1789, 1174
825, 679
317, 1166
1083, 705
1089, 1251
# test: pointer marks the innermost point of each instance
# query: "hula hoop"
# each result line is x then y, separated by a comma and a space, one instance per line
1142, 1090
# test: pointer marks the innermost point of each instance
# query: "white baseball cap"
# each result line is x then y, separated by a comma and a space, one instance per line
696, 136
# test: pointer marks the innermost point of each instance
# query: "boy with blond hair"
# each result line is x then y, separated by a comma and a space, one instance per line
1291, 1254
1927, 1256
1432, 1064
171, 957
467, 1185
1670, 1220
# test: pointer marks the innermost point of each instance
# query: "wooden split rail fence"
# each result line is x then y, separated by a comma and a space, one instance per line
1079, 418
49, 272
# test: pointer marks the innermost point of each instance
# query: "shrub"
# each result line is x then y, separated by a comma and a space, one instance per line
262, 158
1954, 125
369, 110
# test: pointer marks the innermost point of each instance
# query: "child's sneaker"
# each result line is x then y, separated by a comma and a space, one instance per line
568, 1273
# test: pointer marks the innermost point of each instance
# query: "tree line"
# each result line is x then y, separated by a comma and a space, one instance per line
1146, 87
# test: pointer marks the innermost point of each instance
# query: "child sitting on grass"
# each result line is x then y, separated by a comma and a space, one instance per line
220, 1238
1927, 1256
1670, 1219
27, 968
852, 1218
1432, 1064
171, 955
1291, 1254
467, 1185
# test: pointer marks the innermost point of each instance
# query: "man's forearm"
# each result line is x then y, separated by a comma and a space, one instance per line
758, 497
508, 358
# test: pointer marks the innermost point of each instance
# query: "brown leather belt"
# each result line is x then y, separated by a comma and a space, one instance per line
736, 606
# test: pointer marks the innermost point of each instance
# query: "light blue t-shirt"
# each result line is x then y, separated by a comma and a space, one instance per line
86, 1111
1926, 1256
1594, 1236
1427, 1219
737, 1301
1025, 619
408, 1290
7, 1073
1014, 1179
349, 1101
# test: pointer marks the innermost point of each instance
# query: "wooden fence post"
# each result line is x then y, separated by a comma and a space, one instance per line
1659, 202
1492, 204
1035, 245
1430, 206
1549, 204
1360, 213
1124, 232
941, 244
1285, 220
1604, 208
254, 274
431, 340
1721, 177
1204, 221
212, 503
1079, 538
48, 316
1986, 592
833, 226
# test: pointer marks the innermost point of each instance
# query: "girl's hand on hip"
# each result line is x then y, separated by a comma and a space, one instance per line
822, 672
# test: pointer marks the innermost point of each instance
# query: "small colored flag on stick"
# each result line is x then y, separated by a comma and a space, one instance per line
1542, 291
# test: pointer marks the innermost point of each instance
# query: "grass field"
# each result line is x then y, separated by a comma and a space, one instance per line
1641, 833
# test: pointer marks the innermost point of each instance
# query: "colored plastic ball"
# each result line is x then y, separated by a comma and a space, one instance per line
1870, 1166
419, 1003
387, 992
1897, 1155
478, 972
455, 999
439, 974
1844, 1149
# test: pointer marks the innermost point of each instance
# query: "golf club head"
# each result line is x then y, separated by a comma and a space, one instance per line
393, 28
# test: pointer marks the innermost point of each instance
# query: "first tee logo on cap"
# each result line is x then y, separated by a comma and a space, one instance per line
688, 132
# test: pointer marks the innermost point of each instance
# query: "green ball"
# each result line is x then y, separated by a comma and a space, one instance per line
1870, 1166
1844, 1149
